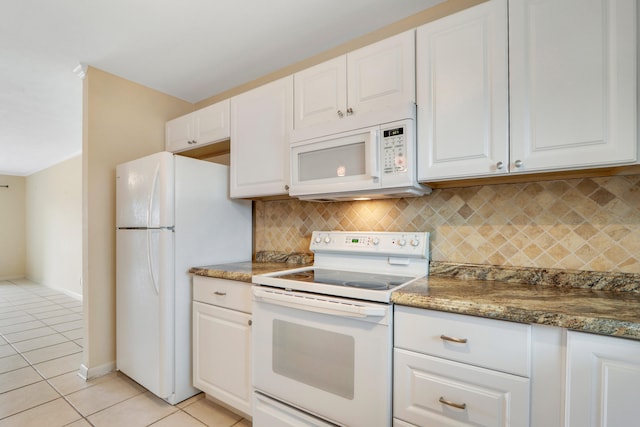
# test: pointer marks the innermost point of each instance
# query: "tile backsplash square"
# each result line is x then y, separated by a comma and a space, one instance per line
583, 224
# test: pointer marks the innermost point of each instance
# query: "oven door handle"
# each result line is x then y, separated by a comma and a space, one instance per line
318, 305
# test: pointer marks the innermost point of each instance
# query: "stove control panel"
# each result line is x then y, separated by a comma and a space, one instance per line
411, 244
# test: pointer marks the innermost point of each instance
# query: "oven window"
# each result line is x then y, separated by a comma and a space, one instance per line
341, 161
319, 358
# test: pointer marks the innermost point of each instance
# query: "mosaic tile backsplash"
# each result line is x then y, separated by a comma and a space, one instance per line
580, 224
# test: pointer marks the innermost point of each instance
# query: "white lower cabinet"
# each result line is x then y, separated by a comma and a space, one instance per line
603, 381
222, 341
459, 370
455, 370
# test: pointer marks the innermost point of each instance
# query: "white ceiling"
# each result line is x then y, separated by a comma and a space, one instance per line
191, 49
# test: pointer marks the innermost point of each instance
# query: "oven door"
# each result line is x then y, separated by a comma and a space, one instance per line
330, 357
336, 163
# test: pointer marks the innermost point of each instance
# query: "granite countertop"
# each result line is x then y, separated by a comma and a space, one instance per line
265, 262
599, 303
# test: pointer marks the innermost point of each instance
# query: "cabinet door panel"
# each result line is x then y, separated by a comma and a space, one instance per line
603, 381
222, 349
320, 91
261, 120
213, 123
462, 94
178, 133
382, 74
573, 83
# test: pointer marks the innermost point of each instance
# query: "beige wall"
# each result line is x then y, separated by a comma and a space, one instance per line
12, 227
54, 227
121, 121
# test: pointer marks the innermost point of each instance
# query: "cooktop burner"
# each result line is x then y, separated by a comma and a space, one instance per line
372, 281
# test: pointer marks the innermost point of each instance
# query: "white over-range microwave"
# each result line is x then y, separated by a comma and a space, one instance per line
369, 157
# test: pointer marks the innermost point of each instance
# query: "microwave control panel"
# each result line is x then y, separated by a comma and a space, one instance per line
394, 148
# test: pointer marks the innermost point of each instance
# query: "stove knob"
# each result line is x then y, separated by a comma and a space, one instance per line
376, 241
415, 242
402, 242
327, 239
317, 239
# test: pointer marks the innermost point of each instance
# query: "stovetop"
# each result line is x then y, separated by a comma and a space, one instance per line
360, 265
372, 281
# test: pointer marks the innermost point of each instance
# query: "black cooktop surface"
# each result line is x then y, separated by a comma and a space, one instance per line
372, 281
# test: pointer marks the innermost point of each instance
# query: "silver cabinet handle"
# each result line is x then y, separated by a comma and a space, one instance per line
499, 166
286, 187
349, 111
453, 404
220, 293
340, 114
518, 163
453, 339
249, 322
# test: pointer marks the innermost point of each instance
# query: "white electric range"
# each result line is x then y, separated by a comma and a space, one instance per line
323, 334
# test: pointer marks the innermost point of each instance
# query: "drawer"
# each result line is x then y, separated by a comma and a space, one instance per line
429, 391
225, 293
494, 344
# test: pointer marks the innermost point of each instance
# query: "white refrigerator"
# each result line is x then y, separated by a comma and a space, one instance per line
172, 213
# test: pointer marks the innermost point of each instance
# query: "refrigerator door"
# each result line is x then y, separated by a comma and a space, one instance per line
145, 192
145, 311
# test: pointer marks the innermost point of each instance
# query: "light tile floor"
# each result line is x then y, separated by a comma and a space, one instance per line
40, 354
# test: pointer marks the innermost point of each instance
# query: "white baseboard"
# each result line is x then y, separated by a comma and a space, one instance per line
9, 278
71, 294
97, 371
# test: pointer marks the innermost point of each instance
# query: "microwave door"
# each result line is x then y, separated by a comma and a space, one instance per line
336, 164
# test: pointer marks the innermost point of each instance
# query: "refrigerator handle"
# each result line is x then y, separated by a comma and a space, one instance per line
153, 195
154, 283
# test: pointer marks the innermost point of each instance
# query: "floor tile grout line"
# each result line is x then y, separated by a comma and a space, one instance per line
45, 379
47, 346
64, 397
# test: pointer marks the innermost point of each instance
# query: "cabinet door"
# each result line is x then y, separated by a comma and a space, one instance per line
261, 120
179, 133
462, 94
202, 127
382, 74
212, 123
603, 381
222, 354
573, 83
321, 93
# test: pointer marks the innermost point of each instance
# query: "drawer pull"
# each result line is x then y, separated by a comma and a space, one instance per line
454, 339
453, 404
220, 293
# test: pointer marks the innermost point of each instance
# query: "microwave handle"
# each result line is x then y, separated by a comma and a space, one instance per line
374, 152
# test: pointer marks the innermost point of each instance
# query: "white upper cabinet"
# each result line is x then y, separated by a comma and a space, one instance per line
261, 120
368, 79
569, 100
321, 93
462, 94
202, 127
573, 89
